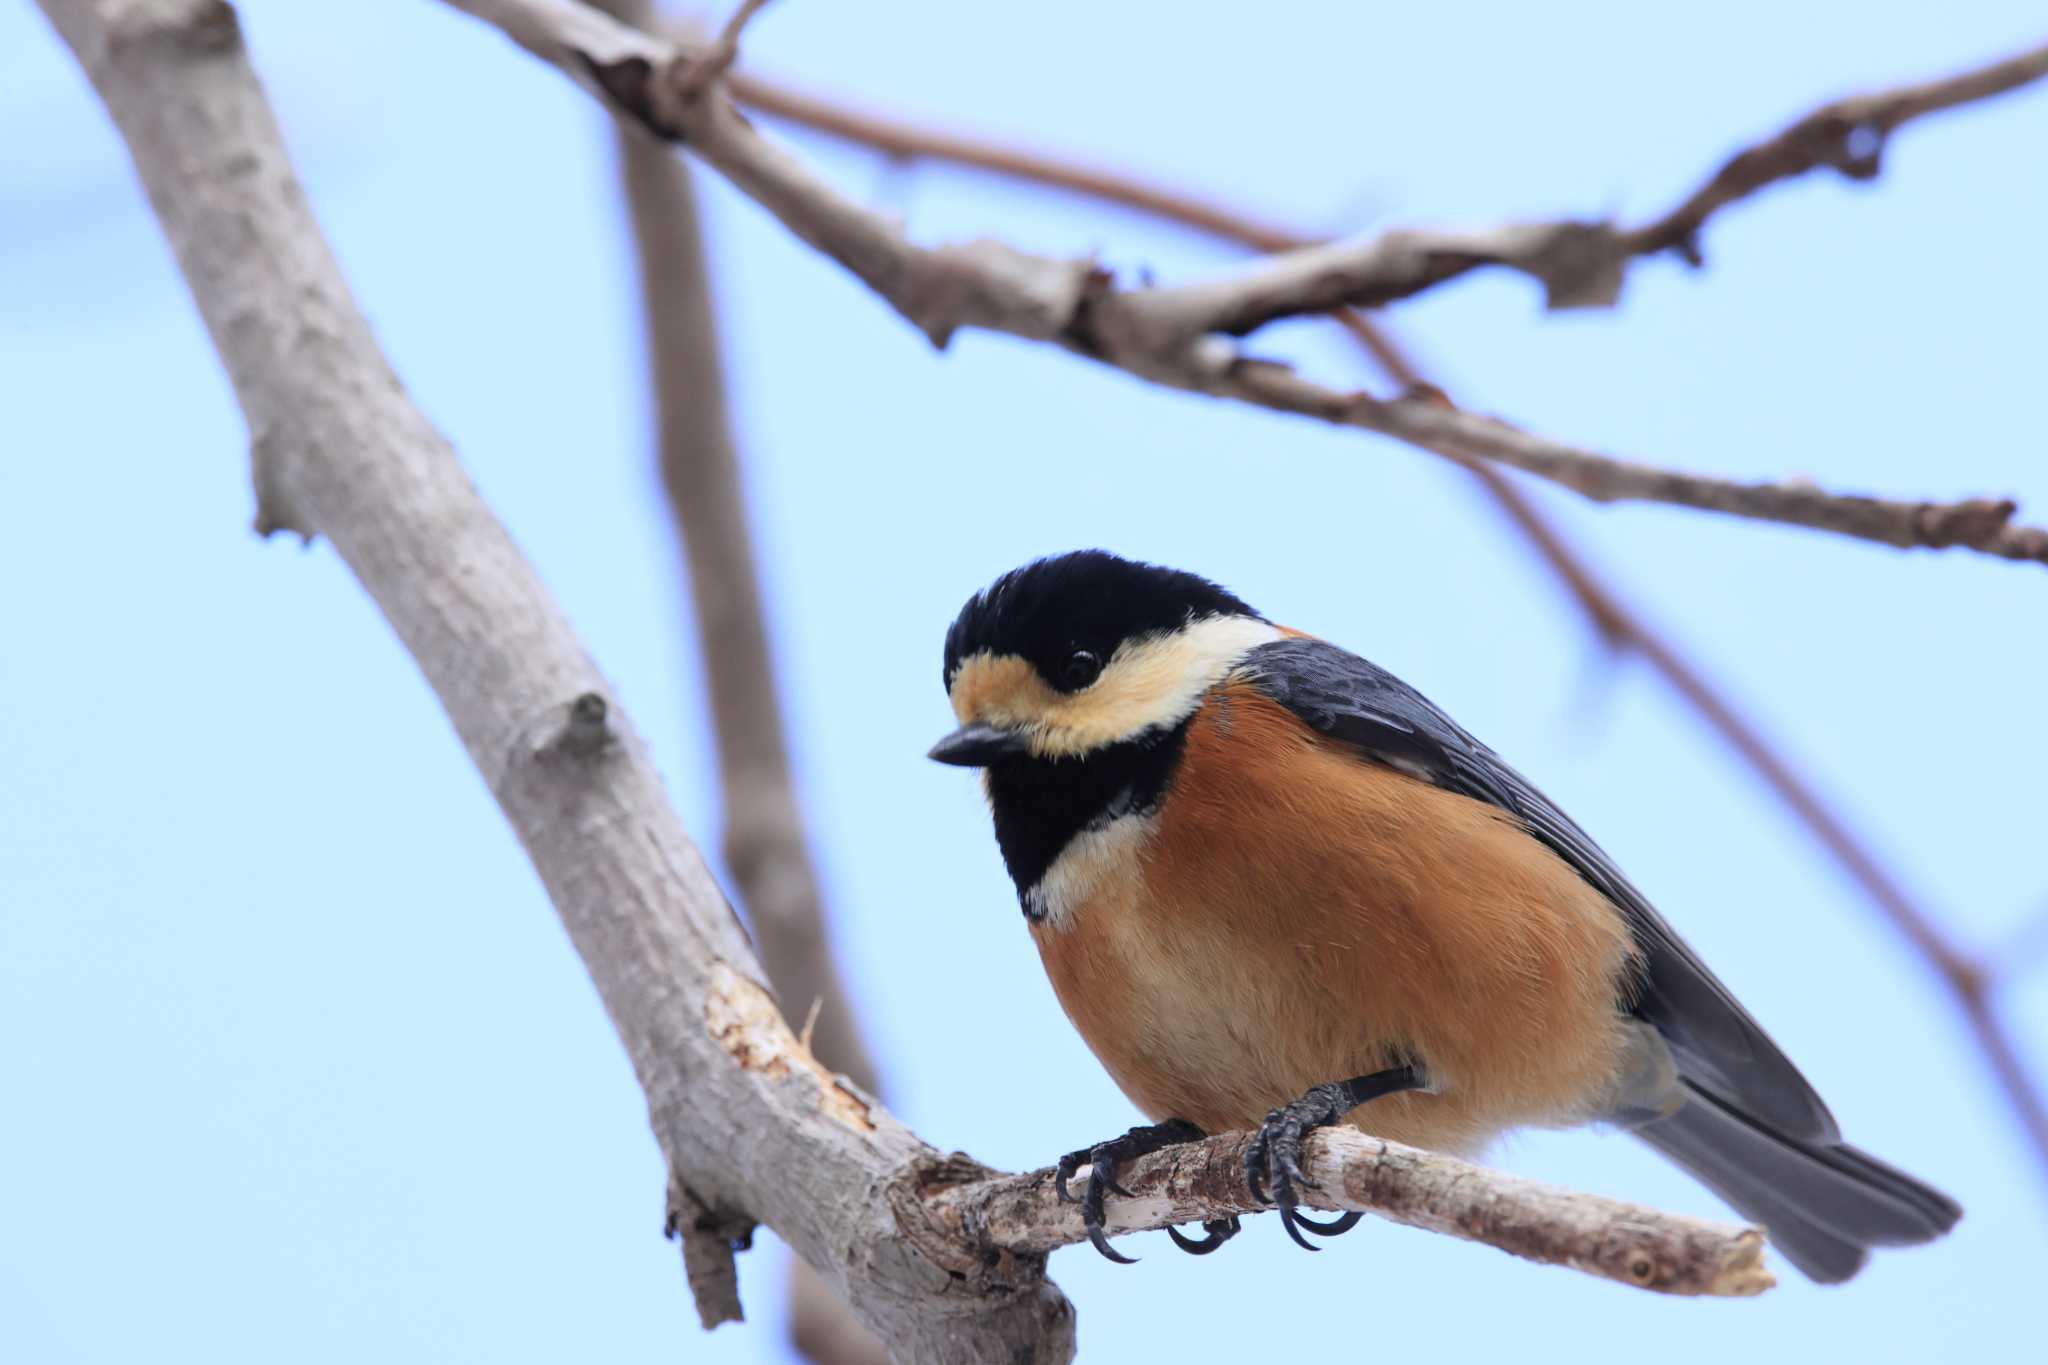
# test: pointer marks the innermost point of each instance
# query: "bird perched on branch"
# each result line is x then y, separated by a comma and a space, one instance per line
1272, 883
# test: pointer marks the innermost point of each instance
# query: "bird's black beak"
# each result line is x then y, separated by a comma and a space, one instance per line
979, 744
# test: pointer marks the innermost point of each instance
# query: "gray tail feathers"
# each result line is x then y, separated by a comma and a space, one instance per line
1824, 1204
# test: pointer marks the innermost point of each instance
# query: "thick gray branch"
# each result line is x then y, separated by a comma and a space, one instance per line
1182, 336
752, 1126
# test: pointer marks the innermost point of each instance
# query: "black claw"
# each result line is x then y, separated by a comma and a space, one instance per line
1272, 1160
1102, 1159
1102, 1245
1092, 1213
1216, 1232
1292, 1222
1070, 1163
1255, 1156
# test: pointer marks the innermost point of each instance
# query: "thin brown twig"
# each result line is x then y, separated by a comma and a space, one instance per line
764, 844
1983, 524
1620, 624
716, 59
1581, 264
1846, 135
1167, 336
764, 841
910, 141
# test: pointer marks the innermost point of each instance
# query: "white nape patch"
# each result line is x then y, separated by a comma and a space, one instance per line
1094, 861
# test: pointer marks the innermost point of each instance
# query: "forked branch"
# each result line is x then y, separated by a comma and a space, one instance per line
1579, 263
1181, 336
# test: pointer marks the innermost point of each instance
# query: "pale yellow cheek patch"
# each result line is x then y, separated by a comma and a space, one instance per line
1000, 689
1157, 681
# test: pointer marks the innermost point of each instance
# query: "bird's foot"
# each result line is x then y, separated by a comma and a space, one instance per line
1273, 1160
1102, 1160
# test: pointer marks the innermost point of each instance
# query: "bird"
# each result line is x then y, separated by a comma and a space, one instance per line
1275, 888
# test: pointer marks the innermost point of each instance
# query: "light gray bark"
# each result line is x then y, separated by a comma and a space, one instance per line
748, 1120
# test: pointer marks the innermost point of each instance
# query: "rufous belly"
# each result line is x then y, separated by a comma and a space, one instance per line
1294, 914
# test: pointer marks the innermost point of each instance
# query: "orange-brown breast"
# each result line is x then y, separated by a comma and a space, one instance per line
1301, 915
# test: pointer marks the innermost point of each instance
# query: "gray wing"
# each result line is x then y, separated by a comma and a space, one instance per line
1713, 1040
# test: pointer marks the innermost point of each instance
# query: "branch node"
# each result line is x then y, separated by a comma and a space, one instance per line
629, 82
194, 26
1973, 522
952, 1233
986, 283
710, 1240
696, 76
660, 96
274, 509
1861, 156
1580, 265
585, 728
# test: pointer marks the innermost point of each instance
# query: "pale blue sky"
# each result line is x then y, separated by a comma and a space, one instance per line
295, 1062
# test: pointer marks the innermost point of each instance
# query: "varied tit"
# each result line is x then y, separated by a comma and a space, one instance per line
1272, 882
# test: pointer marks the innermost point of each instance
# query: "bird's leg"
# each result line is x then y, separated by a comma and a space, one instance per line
1274, 1156
1102, 1159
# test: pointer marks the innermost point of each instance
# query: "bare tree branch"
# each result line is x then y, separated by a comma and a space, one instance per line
1167, 336
764, 843
708, 1242
751, 1125
1620, 624
1603, 1237
1580, 264
719, 57
1847, 135
1583, 264
1981, 524
897, 138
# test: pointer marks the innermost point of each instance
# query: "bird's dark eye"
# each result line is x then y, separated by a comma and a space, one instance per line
1081, 668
